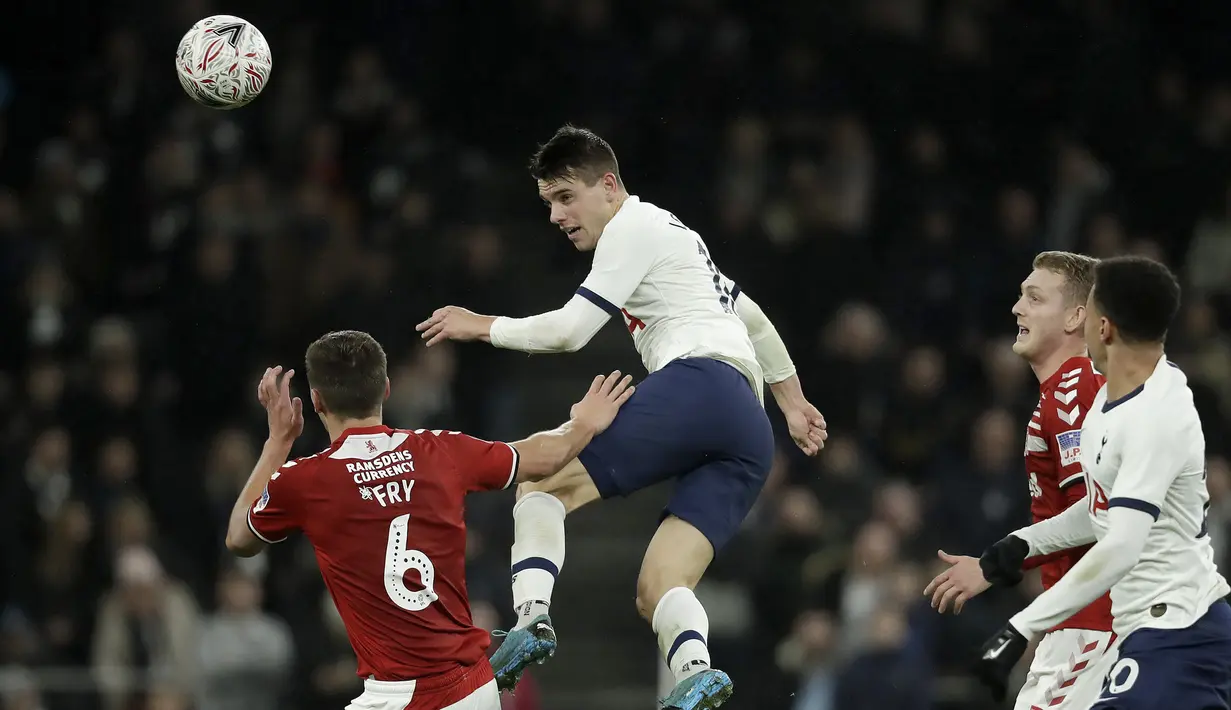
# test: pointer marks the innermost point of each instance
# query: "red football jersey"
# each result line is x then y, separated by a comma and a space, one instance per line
383, 508
1053, 463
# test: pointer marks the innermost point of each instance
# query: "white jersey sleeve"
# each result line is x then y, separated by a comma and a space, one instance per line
624, 256
1150, 461
1097, 571
771, 352
1071, 528
563, 330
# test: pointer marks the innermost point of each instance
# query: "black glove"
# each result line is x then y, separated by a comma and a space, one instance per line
999, 655
1002, 562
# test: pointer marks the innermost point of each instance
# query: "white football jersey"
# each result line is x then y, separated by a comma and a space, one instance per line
657, 274
1146, 451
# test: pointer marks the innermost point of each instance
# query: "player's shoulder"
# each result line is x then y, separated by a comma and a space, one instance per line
445, 441
432, 436
1167, 400
636, 209
1078, 373
301, 466
643, 221
1070, 393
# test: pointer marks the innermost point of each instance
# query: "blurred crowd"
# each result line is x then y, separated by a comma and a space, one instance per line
879, 174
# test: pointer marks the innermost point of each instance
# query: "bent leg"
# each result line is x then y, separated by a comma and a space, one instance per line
536, 559
706, 511
678, 556
674, 563
571, 485
538, 536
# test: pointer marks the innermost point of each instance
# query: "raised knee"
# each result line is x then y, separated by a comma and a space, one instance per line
573, 493
646, 598
652, 585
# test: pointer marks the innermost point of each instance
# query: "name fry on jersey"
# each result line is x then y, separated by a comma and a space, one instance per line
389, 493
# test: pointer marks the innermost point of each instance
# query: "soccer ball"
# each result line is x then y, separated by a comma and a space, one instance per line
223, 62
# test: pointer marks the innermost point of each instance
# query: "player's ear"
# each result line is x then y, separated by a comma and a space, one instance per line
386, 388
611, 185
1106, 330
318, 404
1076, 321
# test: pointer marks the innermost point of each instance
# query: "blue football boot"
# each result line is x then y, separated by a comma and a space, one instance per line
523, 647
706, 690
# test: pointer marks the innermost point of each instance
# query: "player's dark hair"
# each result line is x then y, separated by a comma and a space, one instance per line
1077, 270
349, 370
577, 153
1138, 295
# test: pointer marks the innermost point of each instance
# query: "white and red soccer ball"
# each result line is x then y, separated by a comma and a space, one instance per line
223, 62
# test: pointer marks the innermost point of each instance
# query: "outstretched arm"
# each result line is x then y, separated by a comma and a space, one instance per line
1003, 562
1071, 528
1109, 560
546, 452
806, 424
563, 330
621, 262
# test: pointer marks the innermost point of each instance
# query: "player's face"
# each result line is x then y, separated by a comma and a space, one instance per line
1043, 315
1097, 331
581, 211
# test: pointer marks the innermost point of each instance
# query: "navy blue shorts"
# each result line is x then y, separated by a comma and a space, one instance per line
698, 421
1174, 669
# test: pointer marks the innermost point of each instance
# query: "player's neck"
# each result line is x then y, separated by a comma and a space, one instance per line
1050, 365
336, 427
620, 199
1129, 366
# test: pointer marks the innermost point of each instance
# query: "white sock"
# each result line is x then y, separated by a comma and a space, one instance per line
538, 553
683, 630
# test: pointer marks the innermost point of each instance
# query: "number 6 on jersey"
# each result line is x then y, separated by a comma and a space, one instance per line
398, 560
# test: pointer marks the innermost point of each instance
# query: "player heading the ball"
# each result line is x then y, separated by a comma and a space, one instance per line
698, 418
383, 509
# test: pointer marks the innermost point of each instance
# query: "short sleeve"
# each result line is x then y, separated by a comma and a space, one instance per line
1063, 417
623, 258
1149, 462
274, 516
484, 465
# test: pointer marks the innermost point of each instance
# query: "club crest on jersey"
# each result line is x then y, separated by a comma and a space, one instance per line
1069, 443
634, 323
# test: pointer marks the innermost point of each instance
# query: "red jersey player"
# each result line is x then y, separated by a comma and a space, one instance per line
1073, 658
383, 508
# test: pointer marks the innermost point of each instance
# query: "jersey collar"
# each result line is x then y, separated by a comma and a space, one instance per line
1077, 362
1162, 363
362, 430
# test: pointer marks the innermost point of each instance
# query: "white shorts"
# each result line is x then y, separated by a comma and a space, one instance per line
380, 695
1068, 670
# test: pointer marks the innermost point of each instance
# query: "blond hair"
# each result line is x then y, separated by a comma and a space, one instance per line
1077, 270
